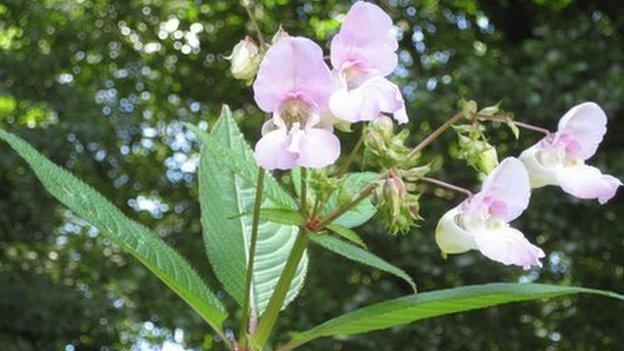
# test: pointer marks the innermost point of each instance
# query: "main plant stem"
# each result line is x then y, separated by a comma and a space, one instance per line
251, 256
267, 321
304, 192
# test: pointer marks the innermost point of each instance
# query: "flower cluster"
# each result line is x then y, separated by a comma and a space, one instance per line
306, 98
481, 222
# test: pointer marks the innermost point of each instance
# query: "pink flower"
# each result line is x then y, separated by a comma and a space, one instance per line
559, 159
294, 84
481, 222
362, 54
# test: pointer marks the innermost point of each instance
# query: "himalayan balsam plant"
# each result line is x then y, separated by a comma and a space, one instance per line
262, 208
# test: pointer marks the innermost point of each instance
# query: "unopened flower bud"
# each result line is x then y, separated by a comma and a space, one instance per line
374, 141
468, 107
394, 192
281, 33
384, 125
245, 60
488, 160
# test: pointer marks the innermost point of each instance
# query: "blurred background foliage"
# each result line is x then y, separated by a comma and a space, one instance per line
102, 86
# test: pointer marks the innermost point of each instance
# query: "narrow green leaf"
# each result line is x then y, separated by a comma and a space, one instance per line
514, 129
360, 255
281, 216
432, 304
347, 234
227, 180
166, 263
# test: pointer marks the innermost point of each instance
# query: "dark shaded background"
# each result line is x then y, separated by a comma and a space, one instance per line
101, 86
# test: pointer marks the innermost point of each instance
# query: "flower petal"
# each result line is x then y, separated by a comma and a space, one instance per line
365, 39
587, 182
508, 246
293, 66
318, 148
587, 124
450, 236
539, 174
271, 151
509, 183
368, 101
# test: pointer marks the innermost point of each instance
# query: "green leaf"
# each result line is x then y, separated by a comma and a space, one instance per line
514, 129
227, 180
281, 216
238, 158
432, 304
360, 255
352, 185
166, 263
347, 234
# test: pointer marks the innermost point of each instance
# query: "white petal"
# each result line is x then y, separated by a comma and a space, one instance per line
509, 183
587, 182
508, 246
450, 236
587, 124
539, 174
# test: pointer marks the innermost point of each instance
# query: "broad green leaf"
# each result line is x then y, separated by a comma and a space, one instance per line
166, 263
227, 180
432, 304
238, 158
360, 255
347, 234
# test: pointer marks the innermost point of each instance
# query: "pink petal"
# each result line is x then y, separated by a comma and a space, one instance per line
318, 148
292, 67
509, 183
368, 101
587, 182
586, 124
271, 151
366, 40
508, 246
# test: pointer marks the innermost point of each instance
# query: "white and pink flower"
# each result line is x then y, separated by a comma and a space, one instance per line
363, 53
559, 159
481, 222
294, 85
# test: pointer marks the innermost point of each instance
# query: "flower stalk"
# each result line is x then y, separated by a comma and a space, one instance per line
519, 124
447, 185
436, 133
254, 22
